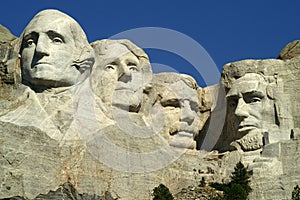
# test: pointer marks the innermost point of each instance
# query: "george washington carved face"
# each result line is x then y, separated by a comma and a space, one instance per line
51, 45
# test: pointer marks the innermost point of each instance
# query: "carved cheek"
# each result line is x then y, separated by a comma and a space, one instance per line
172, 118
27, 57
173, 114
256, 111
109, 79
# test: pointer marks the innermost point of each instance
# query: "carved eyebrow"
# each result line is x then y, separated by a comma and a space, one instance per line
246, 94
232, 96
53, 34
29, 35
254, 93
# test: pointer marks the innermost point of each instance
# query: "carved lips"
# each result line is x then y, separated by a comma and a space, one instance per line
248, 124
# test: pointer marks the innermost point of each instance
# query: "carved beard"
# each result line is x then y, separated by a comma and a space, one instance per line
251, 141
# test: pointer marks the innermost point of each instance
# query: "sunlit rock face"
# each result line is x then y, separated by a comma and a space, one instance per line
92, 121
250, 110
121, 71
259, 106
54, 51
178, 106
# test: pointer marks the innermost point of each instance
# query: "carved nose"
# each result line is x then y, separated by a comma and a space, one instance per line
241, 108
124, 74
187, 114
42, 47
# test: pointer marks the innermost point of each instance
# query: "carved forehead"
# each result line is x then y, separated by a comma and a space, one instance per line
113, 51
48, 17
103, 47
250, 82
59, 22
177, 86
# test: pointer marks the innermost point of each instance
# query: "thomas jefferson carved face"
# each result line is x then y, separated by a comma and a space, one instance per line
49, 49
117, 76
250, 109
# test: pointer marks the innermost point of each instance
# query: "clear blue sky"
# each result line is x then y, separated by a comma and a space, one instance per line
227, 30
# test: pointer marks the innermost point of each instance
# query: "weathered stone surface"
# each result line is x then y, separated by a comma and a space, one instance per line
67, 192
10, 71
177, 107
54, 52
5, 35
212, 116
29, 163
120, 73
291, 50
275, 176
197, 193
66, 135
280, 90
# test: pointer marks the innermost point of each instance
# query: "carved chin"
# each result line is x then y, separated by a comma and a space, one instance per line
251, 142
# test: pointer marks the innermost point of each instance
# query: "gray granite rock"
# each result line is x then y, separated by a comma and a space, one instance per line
66, 141
6, 35
10, 71
291, 50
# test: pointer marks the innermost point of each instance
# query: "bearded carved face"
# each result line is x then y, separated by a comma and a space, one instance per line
250, 110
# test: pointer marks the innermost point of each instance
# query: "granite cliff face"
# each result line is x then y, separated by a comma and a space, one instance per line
91, 121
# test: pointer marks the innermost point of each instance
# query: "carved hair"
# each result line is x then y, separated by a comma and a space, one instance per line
275, 92
84, 56
101, 48
171, 77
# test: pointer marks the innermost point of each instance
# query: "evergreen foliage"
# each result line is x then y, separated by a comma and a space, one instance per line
235, 192
241, 176
238, 188
162, 193
296, 193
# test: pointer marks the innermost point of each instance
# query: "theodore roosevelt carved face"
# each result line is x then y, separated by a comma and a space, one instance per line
179, 102
54, 48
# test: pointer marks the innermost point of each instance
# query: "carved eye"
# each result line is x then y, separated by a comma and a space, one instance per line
171, 103
57, 40
132, 66
29, 42
255, 100
110, 67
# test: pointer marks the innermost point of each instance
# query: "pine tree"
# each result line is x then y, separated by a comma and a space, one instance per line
241, 176
162, 193
296, 193
236, 192
238, 188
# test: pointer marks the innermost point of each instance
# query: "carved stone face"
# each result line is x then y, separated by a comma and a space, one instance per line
47, 52
117, 77
250, 110
181, 114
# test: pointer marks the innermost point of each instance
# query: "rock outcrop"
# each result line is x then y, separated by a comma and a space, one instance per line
91, 121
